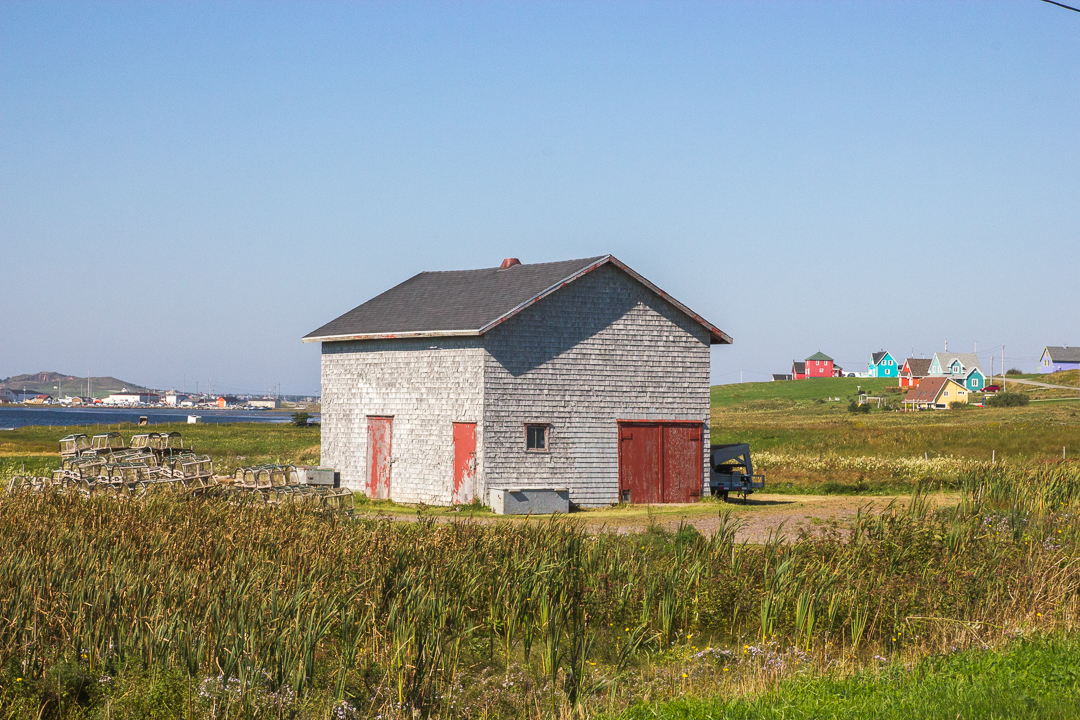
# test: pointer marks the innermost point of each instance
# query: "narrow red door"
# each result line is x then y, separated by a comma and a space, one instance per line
639, 462
378, 457
464, 463
683, 462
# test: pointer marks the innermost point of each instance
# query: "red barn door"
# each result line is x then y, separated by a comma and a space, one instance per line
378, 457
660, 461
464, 462
639, 462
682, 462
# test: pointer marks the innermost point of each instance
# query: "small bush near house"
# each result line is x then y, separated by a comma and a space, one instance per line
957, 405
1008, 399
855, 407
300, 419
1013, 371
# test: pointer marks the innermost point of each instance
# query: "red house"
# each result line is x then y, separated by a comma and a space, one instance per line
914, 370
819, 365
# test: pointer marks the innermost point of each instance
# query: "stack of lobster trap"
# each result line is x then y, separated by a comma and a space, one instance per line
106, 465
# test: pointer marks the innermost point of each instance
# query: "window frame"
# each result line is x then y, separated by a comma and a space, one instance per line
546, 427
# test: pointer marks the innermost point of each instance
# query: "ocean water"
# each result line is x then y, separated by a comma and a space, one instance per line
19, 416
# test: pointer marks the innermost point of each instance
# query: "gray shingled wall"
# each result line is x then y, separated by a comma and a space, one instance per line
602, 349
426, 385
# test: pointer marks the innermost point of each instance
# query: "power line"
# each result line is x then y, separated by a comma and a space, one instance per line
1067, 7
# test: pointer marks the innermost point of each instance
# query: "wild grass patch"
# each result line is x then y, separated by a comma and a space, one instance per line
240, 610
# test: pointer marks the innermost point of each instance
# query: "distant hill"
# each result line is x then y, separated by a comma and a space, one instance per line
47, 382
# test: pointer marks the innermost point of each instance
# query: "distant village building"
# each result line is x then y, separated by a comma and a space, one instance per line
267, 403
882, 364
964, 368
781, 376
579, 375
132, 398
1056, 359
817, 365
935, 393
226, 401
174, 398
914, 370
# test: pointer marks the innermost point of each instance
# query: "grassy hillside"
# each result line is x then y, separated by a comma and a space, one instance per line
789, 393
46, 383
806, 443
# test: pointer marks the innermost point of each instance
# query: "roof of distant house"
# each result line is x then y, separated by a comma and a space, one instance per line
471, 302
968, 360
819, 356
1063, 354
928, 389
878, 356
781, 376
798, 366
919, 367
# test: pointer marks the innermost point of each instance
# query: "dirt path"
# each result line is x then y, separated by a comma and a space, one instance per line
1040, 384
761, 517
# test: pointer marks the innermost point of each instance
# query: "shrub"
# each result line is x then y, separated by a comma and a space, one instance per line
300, 419
1008, 399
957, 405
1013, 371
854, 407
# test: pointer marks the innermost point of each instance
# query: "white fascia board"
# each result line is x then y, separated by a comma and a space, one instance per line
394, 336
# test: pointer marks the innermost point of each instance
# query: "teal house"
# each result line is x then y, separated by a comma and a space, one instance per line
964, 368
882, 364
975, 380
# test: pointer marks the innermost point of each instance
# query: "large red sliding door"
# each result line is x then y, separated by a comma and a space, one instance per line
660, 461
464, 462
379, 438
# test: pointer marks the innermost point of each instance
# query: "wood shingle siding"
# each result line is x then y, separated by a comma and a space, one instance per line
425, 385
601, 350
603, 346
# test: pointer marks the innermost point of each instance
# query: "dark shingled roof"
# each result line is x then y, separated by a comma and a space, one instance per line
468, 302
798, 366
919, 367
878, 356
1063, 354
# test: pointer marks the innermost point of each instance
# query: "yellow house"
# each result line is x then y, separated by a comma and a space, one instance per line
936, 392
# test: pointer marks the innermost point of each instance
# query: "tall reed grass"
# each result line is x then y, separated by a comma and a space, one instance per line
292, 611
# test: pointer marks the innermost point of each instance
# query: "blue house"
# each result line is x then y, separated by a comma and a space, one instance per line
1056, 359
882, 364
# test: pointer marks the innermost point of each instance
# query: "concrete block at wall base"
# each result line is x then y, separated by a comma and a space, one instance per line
525, 501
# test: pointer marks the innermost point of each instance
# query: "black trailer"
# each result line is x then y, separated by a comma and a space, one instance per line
732, 471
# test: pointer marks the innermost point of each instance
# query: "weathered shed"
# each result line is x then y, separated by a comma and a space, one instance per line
578, 374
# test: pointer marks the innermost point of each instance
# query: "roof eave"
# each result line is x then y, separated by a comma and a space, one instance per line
716, 335
392, 336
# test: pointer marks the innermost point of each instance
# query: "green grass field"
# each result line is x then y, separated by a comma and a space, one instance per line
1029, 678
210, 608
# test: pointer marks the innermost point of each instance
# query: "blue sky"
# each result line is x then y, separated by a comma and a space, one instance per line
187, 189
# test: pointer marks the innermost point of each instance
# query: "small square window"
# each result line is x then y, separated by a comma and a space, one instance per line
536, 438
